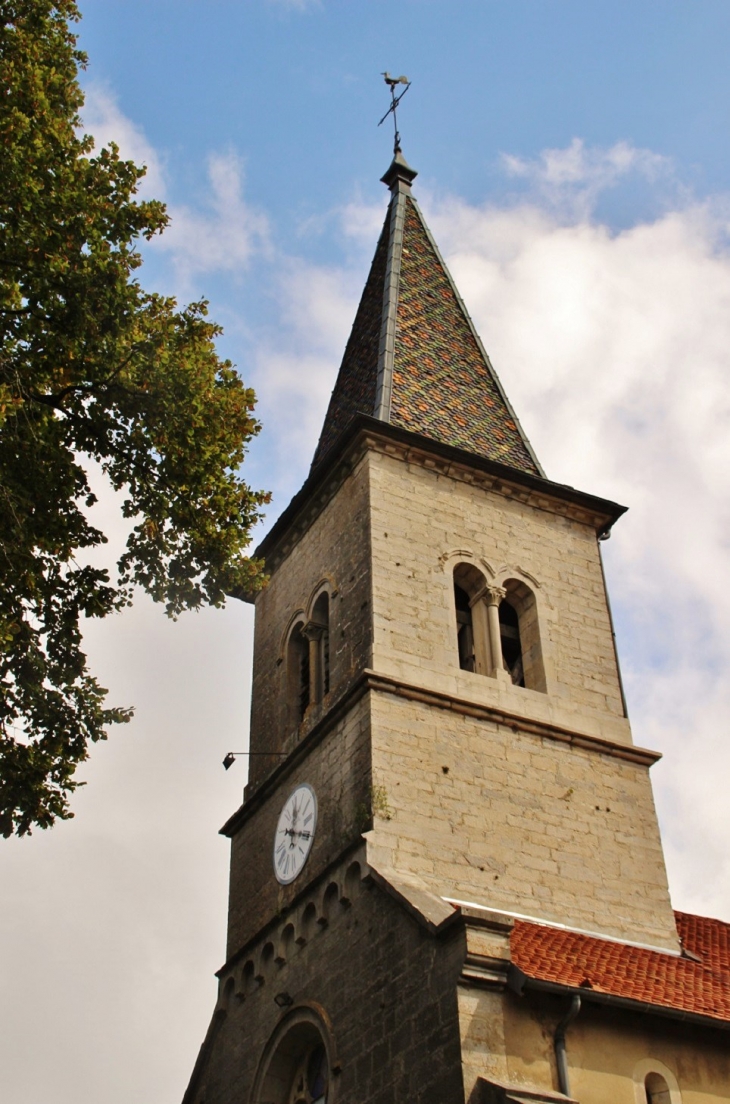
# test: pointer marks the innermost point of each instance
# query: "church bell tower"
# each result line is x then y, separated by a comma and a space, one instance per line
442, 751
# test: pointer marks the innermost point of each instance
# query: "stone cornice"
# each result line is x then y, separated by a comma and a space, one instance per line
365, 433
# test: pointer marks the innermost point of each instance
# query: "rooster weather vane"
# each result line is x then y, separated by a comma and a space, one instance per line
393, 83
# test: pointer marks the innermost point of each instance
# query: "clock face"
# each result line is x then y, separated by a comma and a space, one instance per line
295, 833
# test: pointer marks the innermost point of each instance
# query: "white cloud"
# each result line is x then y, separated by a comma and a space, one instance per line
577, 175
102, 117
222, 238
295, 365
362, 223
128, 900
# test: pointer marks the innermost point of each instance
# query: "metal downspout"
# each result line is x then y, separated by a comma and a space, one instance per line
559, 1044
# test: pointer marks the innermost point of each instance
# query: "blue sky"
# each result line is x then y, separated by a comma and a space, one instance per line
294, 86
573, 166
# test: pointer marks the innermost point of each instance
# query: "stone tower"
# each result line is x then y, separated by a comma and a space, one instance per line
444, 778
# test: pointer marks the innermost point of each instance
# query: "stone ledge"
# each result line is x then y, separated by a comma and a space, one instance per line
390, 685
494, 1092
371, 680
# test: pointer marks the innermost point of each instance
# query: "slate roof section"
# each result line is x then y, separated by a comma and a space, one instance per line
634, 973
413, 357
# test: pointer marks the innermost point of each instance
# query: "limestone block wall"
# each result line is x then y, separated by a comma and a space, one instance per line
338, 769
424, 523
385, 986
490, 814
334, 549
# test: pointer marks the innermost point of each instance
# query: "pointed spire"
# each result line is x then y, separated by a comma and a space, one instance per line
413, 357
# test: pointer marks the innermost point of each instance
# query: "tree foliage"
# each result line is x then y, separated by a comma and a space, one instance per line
92, 366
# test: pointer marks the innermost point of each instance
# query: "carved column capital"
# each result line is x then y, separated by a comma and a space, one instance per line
312, 631
494, 595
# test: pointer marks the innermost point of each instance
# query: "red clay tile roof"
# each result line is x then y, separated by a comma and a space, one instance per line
443, 385
567, 958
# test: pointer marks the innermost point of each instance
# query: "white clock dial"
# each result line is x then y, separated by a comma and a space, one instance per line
294, 834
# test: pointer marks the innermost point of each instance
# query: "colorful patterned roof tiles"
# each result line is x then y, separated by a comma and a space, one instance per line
443, 387
354, 390
413, 357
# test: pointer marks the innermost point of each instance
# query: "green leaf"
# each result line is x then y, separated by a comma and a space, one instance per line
92, 366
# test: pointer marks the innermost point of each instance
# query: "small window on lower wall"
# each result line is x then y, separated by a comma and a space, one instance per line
309, 1084
657, 1090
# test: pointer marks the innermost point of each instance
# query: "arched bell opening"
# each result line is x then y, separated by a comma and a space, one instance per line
519, 632
318, 631
471, 633
298, 674
464, 629
509, 635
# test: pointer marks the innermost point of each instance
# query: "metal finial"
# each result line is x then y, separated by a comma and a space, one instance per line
393, 83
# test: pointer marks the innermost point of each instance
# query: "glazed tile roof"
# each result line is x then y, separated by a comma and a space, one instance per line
582, 961
413, 357
354, 391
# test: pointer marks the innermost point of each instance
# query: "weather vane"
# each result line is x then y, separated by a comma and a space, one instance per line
393, 83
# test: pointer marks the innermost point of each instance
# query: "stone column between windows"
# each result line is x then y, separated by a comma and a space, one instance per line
493, 595
313, 633
483, 661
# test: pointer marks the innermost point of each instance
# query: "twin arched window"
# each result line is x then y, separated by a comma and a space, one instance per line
497, 629
308, 659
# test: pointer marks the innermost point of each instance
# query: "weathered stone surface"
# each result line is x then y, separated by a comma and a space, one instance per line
385, 984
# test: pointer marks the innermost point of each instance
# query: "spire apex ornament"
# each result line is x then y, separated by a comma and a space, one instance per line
393, 83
